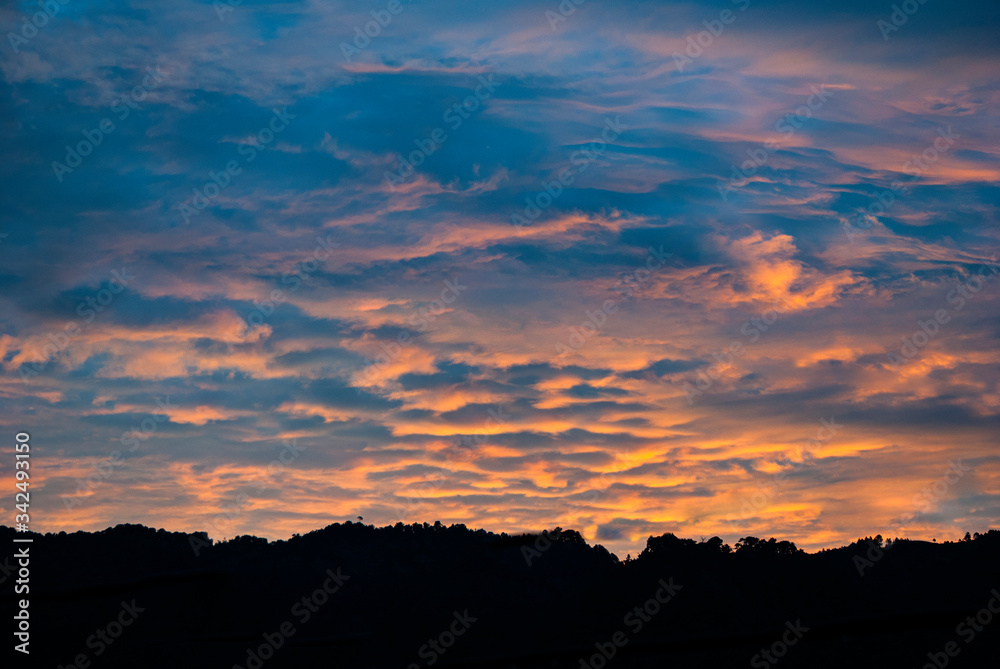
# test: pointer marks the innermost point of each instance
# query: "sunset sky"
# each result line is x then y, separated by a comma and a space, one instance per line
634, 268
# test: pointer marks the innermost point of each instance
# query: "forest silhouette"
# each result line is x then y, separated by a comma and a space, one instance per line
421, 595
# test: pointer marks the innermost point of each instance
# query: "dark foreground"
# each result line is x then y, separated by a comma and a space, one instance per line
409, 597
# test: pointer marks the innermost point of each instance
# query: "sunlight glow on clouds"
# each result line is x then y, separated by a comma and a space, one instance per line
412, 400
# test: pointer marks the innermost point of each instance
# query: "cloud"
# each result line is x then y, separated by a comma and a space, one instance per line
308, 299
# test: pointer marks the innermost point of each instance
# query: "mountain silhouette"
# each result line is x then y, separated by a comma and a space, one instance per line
422, 595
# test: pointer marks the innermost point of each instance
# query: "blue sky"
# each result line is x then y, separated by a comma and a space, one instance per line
643, 251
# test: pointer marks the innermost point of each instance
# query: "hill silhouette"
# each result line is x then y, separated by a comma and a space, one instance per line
421, 595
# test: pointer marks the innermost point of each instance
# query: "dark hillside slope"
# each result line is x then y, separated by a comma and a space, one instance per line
409, 596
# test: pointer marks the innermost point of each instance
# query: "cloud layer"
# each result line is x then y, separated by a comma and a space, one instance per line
632, 268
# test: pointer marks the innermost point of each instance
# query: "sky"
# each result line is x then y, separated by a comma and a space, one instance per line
709, 268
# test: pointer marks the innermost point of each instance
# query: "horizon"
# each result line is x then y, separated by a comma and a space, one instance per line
709, 268
973, 535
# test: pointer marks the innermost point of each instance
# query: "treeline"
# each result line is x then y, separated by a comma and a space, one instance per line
354, 595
